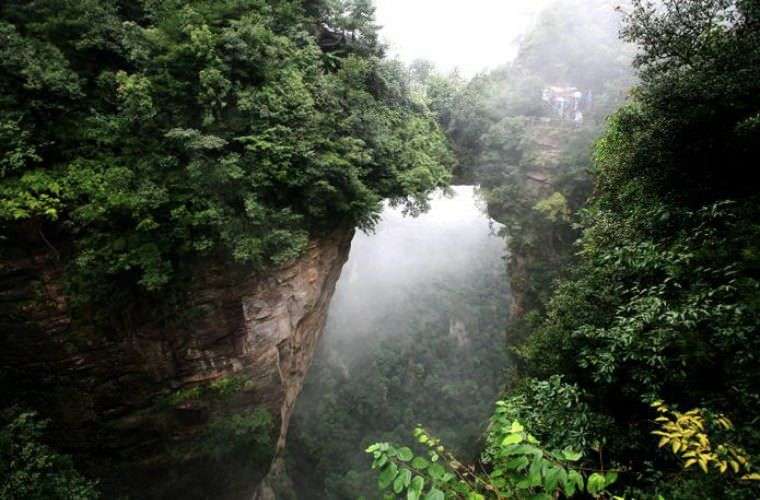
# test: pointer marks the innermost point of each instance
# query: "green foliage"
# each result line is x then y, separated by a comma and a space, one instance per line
659, 298
246, 435
554, 207
221, 388
206, 128
555, 411
663, 300
518, 468
31, 470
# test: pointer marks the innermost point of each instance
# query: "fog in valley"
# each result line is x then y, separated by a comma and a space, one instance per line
470, 37
414, 334
446, 245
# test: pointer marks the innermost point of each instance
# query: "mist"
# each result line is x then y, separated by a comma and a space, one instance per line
453, 240
415, 333
559, 298
469, 37
484, 34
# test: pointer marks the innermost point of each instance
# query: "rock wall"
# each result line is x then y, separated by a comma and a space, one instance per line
540, 168
132, 396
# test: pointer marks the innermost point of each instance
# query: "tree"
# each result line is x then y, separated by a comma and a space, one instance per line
31, 470
145, 137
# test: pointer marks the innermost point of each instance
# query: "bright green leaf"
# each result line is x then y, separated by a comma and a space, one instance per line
512, 439
387, 476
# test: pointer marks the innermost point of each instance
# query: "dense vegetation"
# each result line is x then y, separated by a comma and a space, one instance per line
137, 137
30, 469
663, 302
657, 300
142, 139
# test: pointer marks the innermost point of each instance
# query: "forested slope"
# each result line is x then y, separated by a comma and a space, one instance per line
638, 354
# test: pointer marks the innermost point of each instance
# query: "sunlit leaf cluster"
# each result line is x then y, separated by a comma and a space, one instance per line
688, 436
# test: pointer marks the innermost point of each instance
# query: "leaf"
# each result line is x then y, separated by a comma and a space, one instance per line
551, 478
435, 494
563, 479
571, 456
534, 473
402, 481
415, 488
512, 439
436, 471
387, 476
405, 454
517, 463
595, 483
575, 477
516, 427
610, 478
524, 485
569, 484
523, 450
420, 463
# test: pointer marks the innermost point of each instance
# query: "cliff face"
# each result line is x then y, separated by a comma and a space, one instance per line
540, 168
138, 397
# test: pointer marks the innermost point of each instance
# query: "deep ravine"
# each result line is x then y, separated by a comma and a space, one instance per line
414, 336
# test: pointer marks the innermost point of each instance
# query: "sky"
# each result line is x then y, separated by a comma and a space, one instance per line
471, 36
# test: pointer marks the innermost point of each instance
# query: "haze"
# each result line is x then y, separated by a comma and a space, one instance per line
469, 36
453, 240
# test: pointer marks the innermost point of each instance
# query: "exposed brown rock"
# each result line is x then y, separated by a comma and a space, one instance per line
107, 391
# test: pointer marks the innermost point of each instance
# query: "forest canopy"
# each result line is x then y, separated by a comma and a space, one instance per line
136, 137
637, 340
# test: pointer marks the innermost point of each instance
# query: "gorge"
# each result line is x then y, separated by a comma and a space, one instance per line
414, 335
253, 250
